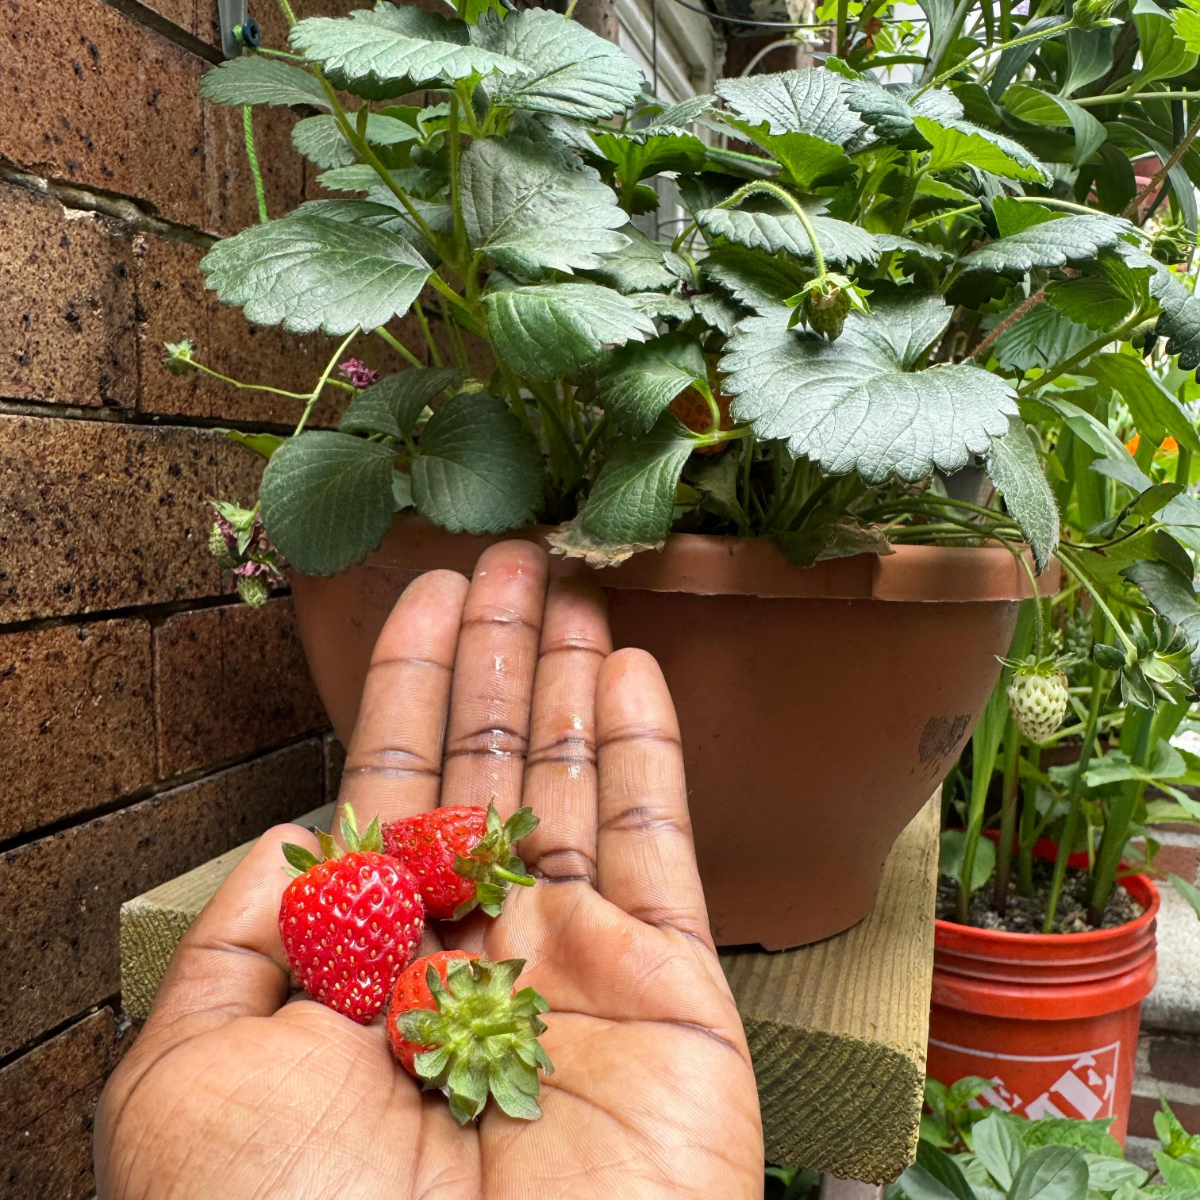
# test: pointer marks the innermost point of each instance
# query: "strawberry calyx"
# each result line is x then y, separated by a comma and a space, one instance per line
482, 1038
301, 859
492, 866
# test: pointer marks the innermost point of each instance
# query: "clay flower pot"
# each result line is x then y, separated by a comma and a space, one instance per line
820, 707
1051, 1019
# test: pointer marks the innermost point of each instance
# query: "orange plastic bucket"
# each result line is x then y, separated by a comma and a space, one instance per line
1051, 1019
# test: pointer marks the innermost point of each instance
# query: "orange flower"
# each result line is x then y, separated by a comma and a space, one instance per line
1169, 446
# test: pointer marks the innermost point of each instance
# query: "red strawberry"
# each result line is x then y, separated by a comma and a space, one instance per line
456, 1022
462, 856
349, 922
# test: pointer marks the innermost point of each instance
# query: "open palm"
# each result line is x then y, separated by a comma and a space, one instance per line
487, 693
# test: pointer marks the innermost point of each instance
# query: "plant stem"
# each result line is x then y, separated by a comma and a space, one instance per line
763, 187
399, 347
1115, 335
460, 233
262, 387
434, 353
1028, 833
1008, 321
1008, 815
1115, 97
315, 394
999, 48
944, 216
910, 193
1039, 622
288, 15
843, 9
1075, 798
260, 194
1160, 176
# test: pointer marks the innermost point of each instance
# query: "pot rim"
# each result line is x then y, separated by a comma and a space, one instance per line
713, 564
1093, 937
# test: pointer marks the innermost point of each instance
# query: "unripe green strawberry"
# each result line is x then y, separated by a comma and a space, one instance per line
826, 312
254, 590
1037, 695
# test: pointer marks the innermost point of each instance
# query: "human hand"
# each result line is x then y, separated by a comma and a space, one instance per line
491, 691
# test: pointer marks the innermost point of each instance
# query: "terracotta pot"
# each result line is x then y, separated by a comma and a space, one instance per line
1051, 1019
819, 707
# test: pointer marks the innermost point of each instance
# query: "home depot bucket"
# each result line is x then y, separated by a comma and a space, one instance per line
1050, 1019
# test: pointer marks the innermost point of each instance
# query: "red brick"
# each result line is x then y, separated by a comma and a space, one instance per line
229, 681
47, 1102
1174, 1059
76, 700
1143, 1108
94, 98
98, 515
67, 325
61, 894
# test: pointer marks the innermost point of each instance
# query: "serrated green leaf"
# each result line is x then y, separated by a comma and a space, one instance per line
392, 405
1015, 468
959, 143
1028, 103
1050, 244
572, 71
321, 141
906, 245
402, 496
856, 404
632, 500
1040, 338
1013, 216
1185, 20
327, 499
753, 278
1180, 319
252, 79
550, 330
638, 157
636, 267
807, 101
771, 226
716, 310
890, 112
478, 470
533, 208
1163, 55
637, 383
1091, 300
385, 44
662, 306
1171, 594
308, 272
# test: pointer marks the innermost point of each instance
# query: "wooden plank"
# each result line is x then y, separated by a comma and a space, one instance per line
154, 923
838, 1030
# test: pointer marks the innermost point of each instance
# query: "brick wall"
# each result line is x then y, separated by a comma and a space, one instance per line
148, 721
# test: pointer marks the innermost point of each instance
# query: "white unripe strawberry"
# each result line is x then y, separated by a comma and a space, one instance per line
1037, 695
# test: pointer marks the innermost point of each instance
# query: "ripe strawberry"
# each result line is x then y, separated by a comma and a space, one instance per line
461, 856
349, 922
455, 1022
1037, 696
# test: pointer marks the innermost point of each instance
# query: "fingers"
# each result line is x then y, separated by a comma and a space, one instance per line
231, 961
488, 732
646, 860
560, 774
394, 764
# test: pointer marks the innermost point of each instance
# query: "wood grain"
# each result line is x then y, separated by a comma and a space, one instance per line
837, 1030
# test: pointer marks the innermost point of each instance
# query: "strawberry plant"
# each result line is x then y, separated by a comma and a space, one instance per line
876, 288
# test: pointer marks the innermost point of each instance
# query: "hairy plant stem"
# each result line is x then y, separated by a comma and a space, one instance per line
315, 394
1160, 176
260, 194
399, 347
1074, 799
262, 387
1007, 323
1123, 97
1028, 834
944, 216
762, 187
